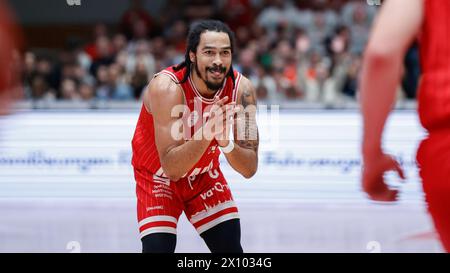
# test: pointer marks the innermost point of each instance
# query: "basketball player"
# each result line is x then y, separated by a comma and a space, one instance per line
176, 175
398, 24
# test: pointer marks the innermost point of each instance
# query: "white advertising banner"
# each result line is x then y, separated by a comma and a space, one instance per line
303, 155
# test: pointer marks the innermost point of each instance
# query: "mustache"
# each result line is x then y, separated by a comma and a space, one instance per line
220, 69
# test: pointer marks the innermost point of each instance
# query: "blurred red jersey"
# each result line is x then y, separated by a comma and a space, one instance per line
10, 45
145, 155
434, 89
433, 155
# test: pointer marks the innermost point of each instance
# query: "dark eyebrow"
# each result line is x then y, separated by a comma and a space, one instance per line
211, 47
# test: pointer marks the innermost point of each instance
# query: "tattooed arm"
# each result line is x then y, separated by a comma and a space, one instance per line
244, 157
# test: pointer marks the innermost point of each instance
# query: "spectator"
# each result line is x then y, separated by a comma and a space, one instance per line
136, 22
159, 51
269, 85
29, 63
358, 16
104, 54
198, 9
277, 15
69, 90
119, 43
86, 91
351, 81
39, 88
238, 13
247, 63
143, 55
412, 72
100, 30
102, 90
139, 79
318, 31
337, 47
112, 84
176, 34
119, 89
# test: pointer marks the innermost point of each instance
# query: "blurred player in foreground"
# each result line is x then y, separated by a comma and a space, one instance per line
10, 40
398, 24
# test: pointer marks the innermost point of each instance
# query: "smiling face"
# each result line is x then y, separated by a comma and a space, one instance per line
212, 61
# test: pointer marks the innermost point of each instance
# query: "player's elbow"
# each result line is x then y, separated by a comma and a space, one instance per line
173, 177
376, 53
172, 173
249, 173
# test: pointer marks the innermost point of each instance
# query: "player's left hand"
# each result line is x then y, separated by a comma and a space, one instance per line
224, 138
372, 177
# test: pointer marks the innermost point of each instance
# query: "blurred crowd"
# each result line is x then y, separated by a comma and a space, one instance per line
291, 50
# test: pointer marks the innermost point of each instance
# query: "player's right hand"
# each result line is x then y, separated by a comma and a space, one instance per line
372, 177
219, 118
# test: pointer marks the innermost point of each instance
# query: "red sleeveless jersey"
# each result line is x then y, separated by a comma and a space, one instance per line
145, 155
434, 88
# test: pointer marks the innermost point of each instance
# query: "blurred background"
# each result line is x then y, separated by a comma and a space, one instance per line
66, 182
293, 51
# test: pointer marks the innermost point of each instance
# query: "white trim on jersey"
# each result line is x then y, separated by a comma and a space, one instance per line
158, 218
203, 99
158, 230
218, 220
175, 79
170, 74
236, 88
161, 177
160, 180
219, 207
156, 74
161, 173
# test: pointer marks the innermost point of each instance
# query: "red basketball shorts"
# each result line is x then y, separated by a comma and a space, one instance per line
433, 158
205, 199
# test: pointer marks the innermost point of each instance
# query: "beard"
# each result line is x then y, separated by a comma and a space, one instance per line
211, 85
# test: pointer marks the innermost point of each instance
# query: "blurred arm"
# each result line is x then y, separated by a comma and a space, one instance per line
396, 26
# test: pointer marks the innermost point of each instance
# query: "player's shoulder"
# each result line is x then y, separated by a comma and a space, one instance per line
245, 87
245, 83
163, 82
163, 89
